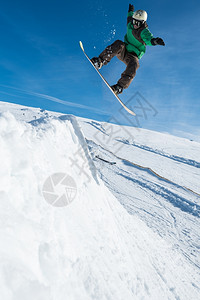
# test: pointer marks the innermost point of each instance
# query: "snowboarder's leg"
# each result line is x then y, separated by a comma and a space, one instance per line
117, 48
127, 76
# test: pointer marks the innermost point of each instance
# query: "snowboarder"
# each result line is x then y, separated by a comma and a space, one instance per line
131, 50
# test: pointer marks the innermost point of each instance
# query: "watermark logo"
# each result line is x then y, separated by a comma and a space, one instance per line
110, 139
80, 161
59, 189
115, 137
142, 107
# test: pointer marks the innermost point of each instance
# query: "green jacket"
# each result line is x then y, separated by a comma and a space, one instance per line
137, 39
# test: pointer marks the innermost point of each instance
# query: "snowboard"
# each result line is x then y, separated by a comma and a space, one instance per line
116, 96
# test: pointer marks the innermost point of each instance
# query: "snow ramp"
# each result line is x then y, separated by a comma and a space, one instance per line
60, 244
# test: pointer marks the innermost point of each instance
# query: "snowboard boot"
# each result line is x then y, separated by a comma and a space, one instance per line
117, 89
97, 62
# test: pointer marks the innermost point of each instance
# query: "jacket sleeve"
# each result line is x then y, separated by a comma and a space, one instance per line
147, 36
129, 17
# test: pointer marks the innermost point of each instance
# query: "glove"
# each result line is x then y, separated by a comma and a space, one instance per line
131, 8
157, 41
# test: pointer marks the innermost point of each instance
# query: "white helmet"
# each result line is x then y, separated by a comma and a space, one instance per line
140, 15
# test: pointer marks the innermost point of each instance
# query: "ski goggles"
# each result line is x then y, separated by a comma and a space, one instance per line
137, 23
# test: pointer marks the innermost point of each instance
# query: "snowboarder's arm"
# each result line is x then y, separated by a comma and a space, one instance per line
147, 36
130, 13
149, 40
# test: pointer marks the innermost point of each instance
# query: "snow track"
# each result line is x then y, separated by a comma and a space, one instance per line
182, 160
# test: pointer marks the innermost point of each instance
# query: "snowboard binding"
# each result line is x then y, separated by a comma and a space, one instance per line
117, 89
97, 62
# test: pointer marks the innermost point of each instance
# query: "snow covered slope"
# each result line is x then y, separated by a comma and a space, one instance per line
156, 177
121, 236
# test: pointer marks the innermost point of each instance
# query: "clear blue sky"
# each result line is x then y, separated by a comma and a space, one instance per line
41, 62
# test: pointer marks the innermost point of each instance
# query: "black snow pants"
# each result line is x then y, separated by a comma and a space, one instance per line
118, 48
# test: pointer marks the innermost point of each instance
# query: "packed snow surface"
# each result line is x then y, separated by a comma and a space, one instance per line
130, 228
